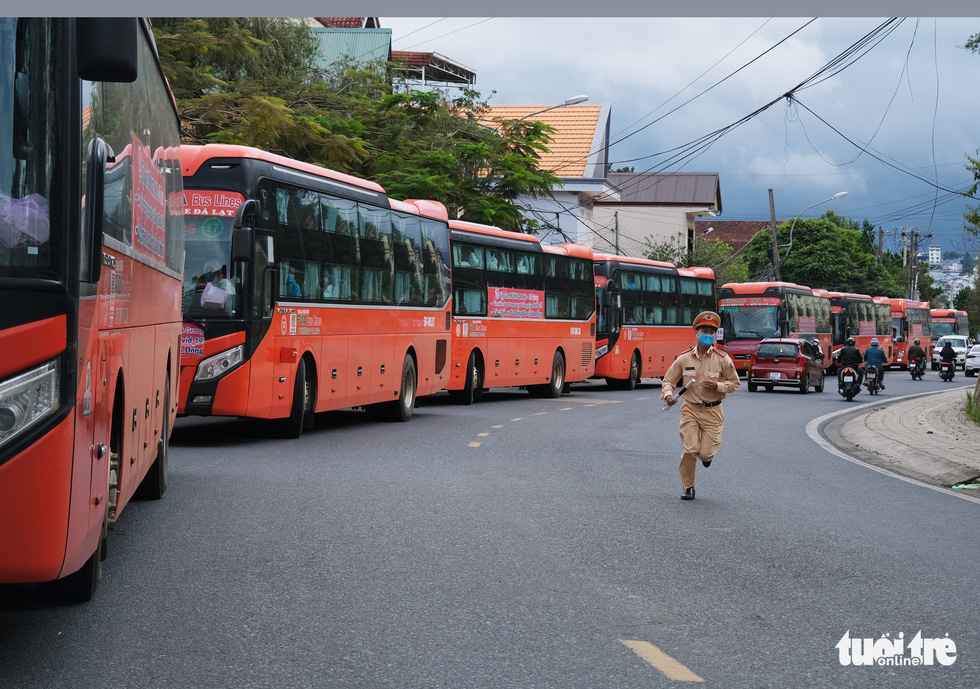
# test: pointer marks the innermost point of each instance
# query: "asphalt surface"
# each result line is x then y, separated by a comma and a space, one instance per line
927, 437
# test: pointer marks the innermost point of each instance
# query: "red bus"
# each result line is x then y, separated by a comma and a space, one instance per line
307, 290
523, 312
949, 322
91, 249
910, 321
752, 311
645, 315
861, 317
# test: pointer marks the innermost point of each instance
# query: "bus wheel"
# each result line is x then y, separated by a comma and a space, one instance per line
292, 426
554, 388
634, 379
157, 479
473, 388
403, 408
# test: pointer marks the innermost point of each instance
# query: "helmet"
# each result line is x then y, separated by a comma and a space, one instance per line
916, 340
850, 341
874, 340
816, 341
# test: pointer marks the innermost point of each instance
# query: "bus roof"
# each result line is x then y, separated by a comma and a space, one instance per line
946, 312
760, 287
901, 304
631, 259
491, 230
192, 157
576, 250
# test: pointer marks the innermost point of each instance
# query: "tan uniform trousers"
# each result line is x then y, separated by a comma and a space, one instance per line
700, 436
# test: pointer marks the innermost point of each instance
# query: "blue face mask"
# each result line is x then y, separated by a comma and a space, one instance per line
706, 340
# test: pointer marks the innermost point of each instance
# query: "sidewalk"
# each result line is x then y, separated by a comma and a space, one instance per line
926, 437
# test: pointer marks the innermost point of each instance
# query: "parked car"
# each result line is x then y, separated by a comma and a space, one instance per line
786, 362
960, 345
972, 363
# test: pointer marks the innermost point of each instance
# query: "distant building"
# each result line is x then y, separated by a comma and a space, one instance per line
935, 255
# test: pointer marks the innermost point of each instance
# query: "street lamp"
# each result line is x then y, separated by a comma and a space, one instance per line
790, 245
568, 101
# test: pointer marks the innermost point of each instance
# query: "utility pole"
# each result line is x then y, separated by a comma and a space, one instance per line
777, 273
881, 242
914, 267
616, 222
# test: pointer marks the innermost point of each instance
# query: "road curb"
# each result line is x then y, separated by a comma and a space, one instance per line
825, 431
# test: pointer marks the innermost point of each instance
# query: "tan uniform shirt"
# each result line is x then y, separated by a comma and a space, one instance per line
715, 365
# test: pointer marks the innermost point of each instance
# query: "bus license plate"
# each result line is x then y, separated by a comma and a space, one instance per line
774, 375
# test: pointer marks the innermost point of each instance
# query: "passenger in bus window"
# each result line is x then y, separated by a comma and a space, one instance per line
292, 287
707, 374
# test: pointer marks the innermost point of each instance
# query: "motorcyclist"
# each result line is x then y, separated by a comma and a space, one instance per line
916, 353
947, 353
849, 355
875, 356
816, 347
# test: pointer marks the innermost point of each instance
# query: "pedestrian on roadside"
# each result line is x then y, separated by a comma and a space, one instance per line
875, 356
713, 375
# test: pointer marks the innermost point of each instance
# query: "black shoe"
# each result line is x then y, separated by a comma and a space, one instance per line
688, 494
706, 463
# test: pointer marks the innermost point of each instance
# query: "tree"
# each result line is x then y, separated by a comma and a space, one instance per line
962, 298
348, 118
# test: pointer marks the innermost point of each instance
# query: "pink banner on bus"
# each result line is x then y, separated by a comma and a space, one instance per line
808, 324
867, 328
149, 203
750, 301
516, 303
218, 203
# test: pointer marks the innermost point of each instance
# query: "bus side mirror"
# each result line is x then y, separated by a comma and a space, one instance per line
106, 48
241, 244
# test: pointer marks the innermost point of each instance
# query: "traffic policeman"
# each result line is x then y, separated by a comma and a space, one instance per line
712, 376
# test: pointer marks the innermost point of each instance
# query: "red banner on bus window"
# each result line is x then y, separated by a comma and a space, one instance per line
149, 203
808, 324
750, 301
191, 343
218, 203
516, 303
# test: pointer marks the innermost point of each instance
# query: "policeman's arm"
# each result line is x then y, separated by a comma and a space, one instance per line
729, 382
671, 378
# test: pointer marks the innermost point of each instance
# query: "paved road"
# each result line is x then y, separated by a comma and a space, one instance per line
515, 543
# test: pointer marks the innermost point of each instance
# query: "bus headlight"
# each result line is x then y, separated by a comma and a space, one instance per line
28, 398
220, 364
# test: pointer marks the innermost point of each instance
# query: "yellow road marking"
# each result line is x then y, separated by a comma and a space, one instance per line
482, 435
497, 426
661, 661
541, 413
565, 409
517, 419
474, 444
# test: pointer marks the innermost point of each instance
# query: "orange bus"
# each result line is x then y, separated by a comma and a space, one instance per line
910, 321
861, 317
307, 290
949, 322
91, 249
523, 312
645, 315
752, 311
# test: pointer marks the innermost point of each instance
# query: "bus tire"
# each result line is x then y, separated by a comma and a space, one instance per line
634, 376
155, 483
473, 388
403, 408
553, 388
292, 426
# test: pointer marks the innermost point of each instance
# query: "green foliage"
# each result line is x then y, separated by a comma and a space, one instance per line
829, 253
252, 81
708, 253
962, 298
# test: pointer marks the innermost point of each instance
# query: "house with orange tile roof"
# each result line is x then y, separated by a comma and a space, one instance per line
659, 206
577, 154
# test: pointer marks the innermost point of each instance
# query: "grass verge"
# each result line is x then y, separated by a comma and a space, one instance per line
972, 409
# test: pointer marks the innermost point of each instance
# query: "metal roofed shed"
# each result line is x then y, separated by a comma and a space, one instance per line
360, 45
431, 67
664, 188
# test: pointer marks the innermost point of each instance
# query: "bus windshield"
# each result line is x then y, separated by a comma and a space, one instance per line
212, 282
28, 75
750, 322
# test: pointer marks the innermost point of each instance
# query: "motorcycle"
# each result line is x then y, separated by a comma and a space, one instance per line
848, 384
947, 370
917, 368
871, 380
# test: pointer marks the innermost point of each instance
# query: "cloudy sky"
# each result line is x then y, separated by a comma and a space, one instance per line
887, 114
